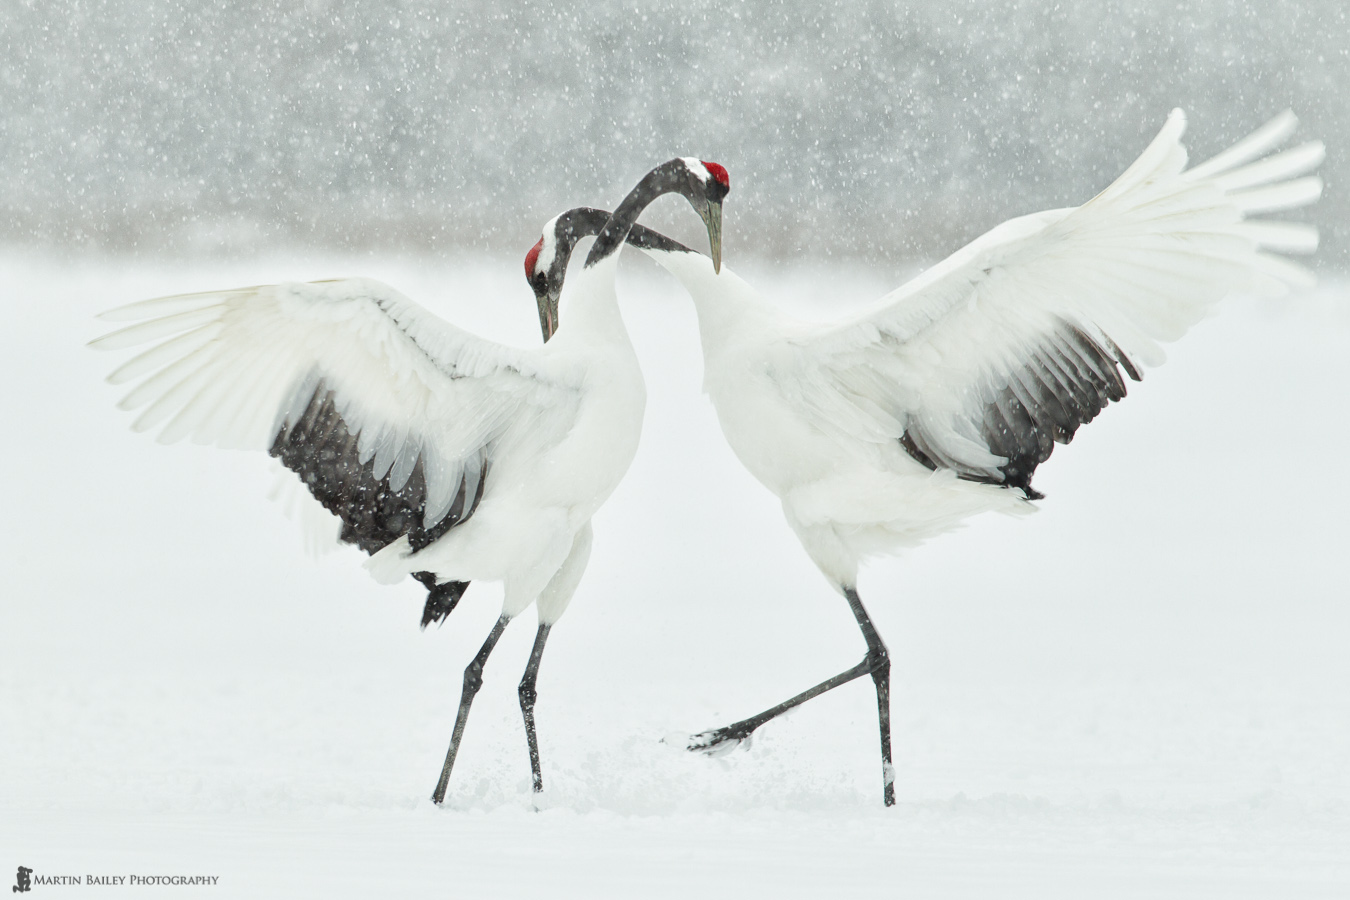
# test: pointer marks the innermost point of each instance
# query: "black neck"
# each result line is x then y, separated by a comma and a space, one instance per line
584, 222
667, 178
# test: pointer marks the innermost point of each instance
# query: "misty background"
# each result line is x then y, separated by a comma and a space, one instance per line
867, 130
1138, 692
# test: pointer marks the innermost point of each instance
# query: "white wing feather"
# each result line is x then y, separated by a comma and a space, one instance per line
233, 367
1001, 319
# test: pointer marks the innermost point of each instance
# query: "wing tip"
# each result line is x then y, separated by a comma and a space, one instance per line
1317, 152
1282, 124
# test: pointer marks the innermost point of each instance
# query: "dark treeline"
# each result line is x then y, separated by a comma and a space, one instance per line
866, 129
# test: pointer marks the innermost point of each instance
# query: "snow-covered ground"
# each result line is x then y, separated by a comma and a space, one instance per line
1139, 691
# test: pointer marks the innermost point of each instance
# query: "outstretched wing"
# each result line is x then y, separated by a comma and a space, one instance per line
985, 361
390, 415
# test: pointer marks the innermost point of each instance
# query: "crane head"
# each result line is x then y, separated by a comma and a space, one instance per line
546, 263
544, 298
709, 183
704, 184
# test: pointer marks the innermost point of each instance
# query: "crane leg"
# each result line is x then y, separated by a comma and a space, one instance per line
527, 698
877, 663
473, 680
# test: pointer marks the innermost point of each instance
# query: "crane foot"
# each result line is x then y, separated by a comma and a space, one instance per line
720, 741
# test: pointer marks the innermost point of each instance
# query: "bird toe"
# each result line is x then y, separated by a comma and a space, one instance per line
717, 743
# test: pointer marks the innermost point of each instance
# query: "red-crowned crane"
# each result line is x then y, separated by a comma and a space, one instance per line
886, 429
448, 457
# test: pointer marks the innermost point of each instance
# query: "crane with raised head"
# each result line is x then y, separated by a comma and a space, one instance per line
888, 428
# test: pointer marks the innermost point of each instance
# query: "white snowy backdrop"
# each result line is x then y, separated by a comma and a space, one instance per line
858, 127
1139, 691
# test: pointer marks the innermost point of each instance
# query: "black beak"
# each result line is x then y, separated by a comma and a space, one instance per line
547, 301
711, 213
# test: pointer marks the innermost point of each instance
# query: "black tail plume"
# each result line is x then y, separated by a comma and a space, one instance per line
441, 598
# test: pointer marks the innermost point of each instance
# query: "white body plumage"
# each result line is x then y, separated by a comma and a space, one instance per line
553, 470
889, 428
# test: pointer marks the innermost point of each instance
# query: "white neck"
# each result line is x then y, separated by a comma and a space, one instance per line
592, 309
729, 310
